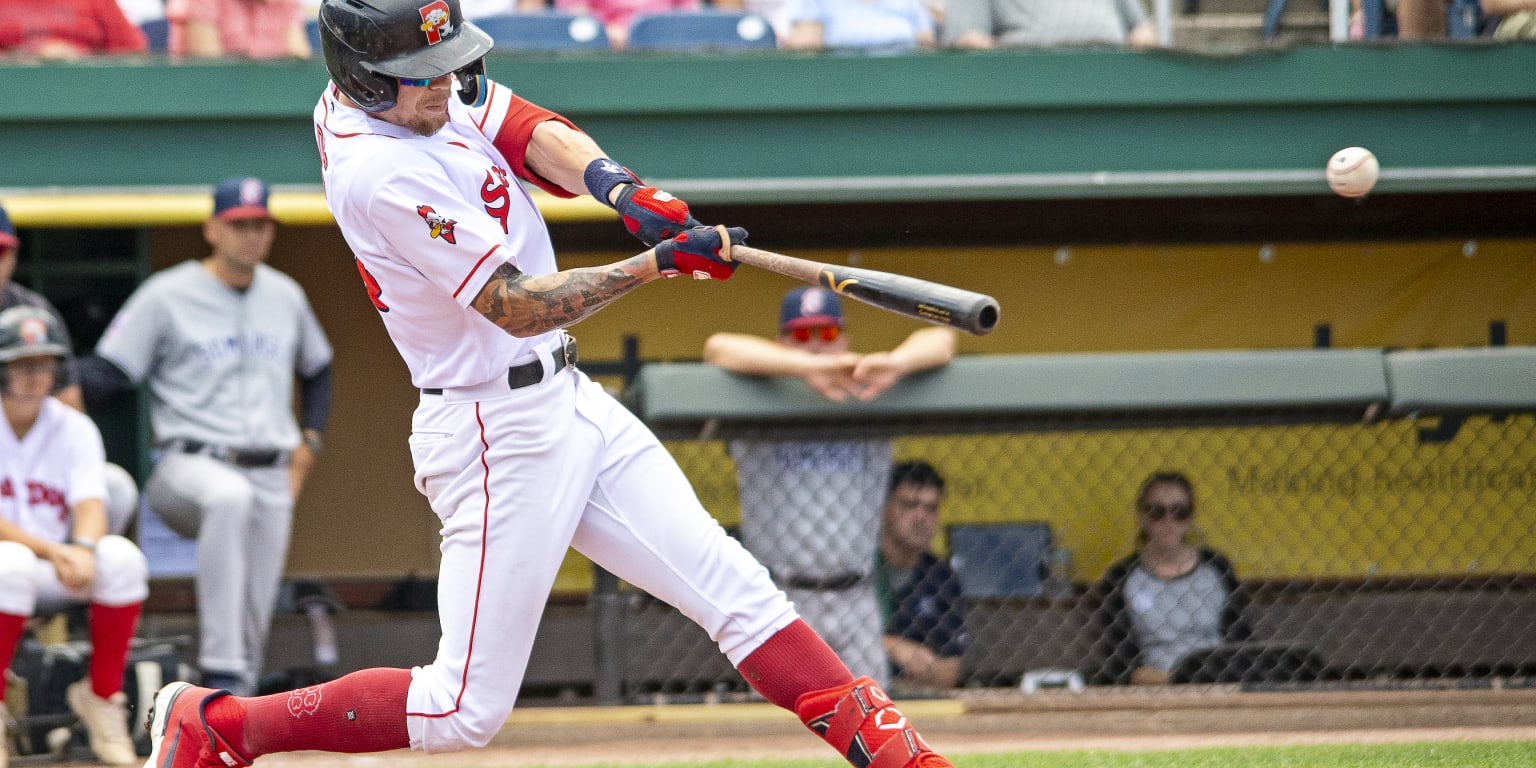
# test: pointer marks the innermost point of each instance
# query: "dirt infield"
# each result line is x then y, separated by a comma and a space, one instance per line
576, 736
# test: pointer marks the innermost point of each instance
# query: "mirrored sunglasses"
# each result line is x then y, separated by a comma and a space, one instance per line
824, 332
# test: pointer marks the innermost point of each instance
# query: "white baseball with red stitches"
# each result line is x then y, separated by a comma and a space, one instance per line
1352, 172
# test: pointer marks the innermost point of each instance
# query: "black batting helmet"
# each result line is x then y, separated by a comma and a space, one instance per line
370, 44
30, 332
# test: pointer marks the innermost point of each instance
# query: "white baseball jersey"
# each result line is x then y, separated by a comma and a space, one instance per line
59, 464
517, 475
431, 225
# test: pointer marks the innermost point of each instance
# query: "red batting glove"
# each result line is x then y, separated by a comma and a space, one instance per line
697, 252
648, 213
651, 214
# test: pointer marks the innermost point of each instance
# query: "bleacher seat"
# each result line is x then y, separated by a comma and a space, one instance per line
700, 30
546, 31
312, 30
157, 32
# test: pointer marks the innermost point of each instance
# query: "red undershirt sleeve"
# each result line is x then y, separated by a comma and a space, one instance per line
517, 126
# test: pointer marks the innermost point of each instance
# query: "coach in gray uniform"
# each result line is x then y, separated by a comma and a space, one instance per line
217, 343
122, 492
810, 509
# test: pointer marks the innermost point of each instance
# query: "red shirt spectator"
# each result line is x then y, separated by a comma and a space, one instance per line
256, 29
66, 29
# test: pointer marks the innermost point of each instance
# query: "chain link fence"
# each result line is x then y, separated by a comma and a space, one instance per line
1397, 552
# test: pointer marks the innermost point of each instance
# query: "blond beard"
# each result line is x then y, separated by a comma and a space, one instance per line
425, 125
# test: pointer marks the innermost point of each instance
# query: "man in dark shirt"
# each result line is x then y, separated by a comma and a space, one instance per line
925, 633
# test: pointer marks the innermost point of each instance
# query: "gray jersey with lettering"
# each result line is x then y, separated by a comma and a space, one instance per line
811, 509
219, 362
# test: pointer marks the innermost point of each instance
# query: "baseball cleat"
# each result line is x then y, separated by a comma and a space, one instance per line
180, 734
106, 721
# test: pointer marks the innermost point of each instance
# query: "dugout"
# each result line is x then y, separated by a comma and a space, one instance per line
1384, 570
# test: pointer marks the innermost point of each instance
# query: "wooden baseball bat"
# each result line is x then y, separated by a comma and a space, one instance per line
939, 304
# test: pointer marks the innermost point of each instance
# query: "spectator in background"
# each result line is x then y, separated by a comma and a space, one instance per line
615, 15
889, 26
1516, 18
993, 23
1416, 19
55, 549
1429, 19
810, 508
122, 493
140, 11
920, 598
218, 343
1170, 598
63, 30
775, 11
479, 9
253, 29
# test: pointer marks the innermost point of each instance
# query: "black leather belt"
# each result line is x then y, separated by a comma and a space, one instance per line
248, 458
531, 372
837, 582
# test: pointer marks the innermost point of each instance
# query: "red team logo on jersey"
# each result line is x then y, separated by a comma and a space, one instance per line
441, 226
435, 21
498, 200
39, 495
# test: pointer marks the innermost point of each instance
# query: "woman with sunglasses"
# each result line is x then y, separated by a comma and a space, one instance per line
1171, 597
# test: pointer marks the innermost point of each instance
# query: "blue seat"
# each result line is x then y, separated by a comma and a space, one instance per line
545, 31
700, 30
312, 30
157, 32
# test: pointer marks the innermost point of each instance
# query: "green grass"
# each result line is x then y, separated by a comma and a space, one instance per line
1479, 754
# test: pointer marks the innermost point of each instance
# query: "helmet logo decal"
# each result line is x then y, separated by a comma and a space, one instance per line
438, 224
436, 22
33, 331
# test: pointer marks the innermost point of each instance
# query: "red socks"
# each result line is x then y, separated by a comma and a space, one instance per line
795, 660
112, 628
360, 712
11, 627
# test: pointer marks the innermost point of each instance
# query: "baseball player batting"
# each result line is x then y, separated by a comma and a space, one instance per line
518, 452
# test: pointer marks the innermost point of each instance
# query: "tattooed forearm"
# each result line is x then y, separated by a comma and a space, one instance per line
524, 305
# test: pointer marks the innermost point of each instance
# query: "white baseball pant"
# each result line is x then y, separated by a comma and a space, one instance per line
241, 518
27, 581
518, 475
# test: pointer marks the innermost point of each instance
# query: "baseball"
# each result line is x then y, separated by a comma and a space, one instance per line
1352, 171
